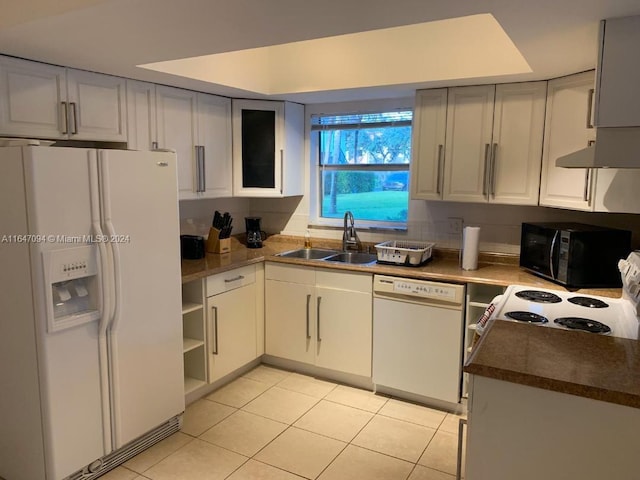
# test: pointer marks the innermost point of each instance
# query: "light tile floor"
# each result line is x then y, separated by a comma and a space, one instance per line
272, 424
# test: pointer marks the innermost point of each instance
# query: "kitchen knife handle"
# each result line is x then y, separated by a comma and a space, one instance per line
65, 118
74, 113
318, 321
214, 309
439, 177
590, 108
308, 327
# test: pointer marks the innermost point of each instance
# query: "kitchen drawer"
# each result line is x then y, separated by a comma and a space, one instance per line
223, 282
290, 273
341, 280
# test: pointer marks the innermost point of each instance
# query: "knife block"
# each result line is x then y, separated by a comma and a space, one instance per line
217, 245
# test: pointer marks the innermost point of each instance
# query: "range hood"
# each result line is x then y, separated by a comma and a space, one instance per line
615, 147
617, 100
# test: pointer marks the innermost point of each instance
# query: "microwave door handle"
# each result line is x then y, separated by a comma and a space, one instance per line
553, 247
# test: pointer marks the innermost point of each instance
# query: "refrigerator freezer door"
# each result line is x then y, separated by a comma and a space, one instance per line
140, 214
58, 204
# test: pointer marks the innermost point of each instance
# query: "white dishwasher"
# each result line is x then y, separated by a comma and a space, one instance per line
417, 336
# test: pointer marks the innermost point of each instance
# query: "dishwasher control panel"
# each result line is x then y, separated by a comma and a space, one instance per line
412, 288
446, 292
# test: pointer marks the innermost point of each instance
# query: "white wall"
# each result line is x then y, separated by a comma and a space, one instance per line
196, 215
429, 221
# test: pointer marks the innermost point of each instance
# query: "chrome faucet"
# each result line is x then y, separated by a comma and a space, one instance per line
350, 238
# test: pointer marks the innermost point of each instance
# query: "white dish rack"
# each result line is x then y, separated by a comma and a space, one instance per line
404, 252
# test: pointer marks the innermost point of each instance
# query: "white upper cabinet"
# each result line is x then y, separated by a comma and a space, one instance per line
268, 148
428, 138
177, 130
33, 97
618, 102
518, 129
494, 143
468, 145
97, 106
198, 127
567, 129
45, 101
141, 115
490, 149
214, 135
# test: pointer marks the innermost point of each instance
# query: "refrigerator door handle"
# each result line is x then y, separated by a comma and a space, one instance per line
105, 300
116, 300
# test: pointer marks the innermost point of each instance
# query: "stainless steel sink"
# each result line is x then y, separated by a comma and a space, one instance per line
352, 257
308, 253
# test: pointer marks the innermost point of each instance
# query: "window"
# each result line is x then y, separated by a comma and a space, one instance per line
363, 162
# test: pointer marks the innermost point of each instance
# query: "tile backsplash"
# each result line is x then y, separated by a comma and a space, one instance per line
434, 221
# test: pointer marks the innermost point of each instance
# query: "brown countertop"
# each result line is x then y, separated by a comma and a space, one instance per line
592, 366
443, 267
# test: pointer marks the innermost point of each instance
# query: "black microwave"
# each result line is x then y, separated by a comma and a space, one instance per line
574, 254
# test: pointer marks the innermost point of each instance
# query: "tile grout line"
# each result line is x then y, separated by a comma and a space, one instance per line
288, 426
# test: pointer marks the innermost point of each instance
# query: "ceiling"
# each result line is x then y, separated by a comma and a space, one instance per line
554, 37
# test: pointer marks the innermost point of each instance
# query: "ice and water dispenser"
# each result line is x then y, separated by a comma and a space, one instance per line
72, 286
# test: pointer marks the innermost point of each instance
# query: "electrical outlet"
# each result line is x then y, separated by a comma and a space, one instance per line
454, 225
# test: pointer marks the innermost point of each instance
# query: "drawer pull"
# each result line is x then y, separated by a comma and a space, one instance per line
234, 279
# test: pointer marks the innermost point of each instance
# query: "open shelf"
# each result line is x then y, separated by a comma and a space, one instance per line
189, 344
191, 384
188, 307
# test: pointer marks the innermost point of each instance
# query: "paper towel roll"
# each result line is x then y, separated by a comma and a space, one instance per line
470, 243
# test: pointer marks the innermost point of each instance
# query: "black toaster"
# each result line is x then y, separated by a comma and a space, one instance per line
191, 247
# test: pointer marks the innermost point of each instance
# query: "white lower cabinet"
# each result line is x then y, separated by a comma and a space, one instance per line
232, 320
319, 317
518, 431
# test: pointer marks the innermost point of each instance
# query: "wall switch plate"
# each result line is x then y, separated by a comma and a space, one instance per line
454, 225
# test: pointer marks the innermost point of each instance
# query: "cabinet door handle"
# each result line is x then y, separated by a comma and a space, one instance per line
439, 179
203, 176
308, 320
197, 165
587, 186
234, 279
74, 114
154, 145
486, 163
461, 424
214, 309
281, 170
65, 118
493, 169
318, 321
590, 108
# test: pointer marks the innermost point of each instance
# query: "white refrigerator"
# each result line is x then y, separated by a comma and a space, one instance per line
90, 331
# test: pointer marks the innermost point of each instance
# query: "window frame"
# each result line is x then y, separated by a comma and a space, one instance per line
316, 169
